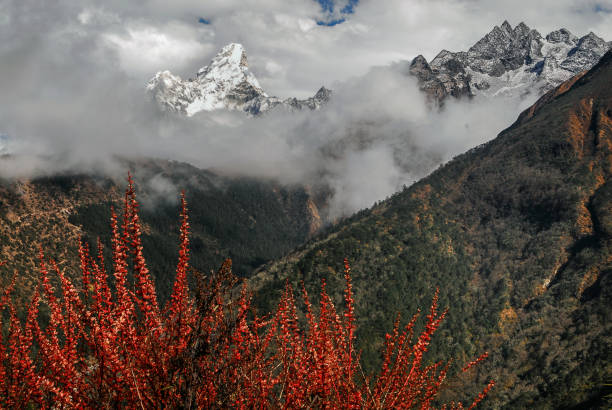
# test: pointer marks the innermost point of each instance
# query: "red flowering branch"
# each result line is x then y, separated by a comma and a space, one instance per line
474, 362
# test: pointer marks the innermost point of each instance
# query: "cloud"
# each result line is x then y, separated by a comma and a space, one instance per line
141, 48
72, 75
167, 35
158, 189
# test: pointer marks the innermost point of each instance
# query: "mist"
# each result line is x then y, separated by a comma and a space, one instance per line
69, 105
376, 134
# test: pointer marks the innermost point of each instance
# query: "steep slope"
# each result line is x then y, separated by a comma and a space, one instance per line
517, 235
249, 220
509, 62
226, 83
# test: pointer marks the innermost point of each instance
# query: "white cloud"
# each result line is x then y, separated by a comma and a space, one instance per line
306, 24
285, 32
362, 177
97, 17
273, 68
143, 49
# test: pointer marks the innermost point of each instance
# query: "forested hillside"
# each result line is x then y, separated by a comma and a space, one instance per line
517, 234
249, 220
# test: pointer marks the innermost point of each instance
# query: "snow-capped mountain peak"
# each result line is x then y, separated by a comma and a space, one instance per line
232, 55
221, 84
562, 36
229, 66
509, 61
225, 83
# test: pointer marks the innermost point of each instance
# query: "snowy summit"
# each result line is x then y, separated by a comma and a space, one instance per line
509, 62
226, 83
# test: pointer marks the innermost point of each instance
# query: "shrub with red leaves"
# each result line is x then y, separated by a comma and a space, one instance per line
113, 346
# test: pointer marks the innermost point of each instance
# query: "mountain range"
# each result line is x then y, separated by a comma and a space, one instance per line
506, 62
509, 62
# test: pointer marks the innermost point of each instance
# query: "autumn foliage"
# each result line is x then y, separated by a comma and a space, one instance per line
107, 343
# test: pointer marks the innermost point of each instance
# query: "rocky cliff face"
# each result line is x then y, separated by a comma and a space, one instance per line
509, 62
226, 83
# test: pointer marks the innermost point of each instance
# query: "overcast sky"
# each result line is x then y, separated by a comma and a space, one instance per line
73, 76
288, 51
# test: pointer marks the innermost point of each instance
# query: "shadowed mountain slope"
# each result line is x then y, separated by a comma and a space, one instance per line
251, 221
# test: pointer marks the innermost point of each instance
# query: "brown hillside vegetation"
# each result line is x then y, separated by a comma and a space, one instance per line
36, 213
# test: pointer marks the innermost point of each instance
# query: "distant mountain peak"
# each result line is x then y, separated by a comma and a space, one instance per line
323, 94
507, 28
522, 30
231, 57
562, 35
420, 63
225, 83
